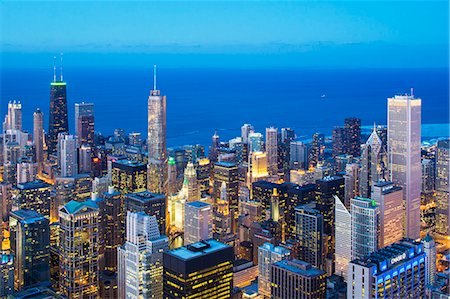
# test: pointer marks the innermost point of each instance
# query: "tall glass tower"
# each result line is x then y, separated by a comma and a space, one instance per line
58, 119
404, 120
157, 155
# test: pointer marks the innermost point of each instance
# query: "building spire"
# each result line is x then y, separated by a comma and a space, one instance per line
61, 67
54, 68
154, 77
412, 92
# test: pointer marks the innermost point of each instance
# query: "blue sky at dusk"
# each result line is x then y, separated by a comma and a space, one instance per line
254, 34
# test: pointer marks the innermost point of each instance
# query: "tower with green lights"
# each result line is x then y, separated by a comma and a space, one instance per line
58, 119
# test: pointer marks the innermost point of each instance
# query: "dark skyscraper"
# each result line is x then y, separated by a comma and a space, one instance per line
58, 119
84, 123
353, 136
339, 144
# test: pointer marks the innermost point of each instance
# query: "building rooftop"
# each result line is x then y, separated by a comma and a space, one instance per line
73, 206
26, 215
299, 267
226, 164
130, 163
198, 249
392, 190
198, 204
32, 185
145, 196
6, 258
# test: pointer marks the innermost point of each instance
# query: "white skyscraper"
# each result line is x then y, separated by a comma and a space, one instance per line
365, 226
67, 153
13, 119
140, 259
268, 254
343, 235
197, 222
404, 133
245, 131
255, 142
191, 183
272, 150
429, 247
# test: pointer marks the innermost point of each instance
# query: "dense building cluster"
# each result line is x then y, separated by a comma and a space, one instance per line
353, 215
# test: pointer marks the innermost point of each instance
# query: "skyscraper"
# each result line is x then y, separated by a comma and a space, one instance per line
365, 226
152, 204
339, 144
84, 123
297, 279
268, 254
34, 196
58, 118
197, 222
317, 148
272, 150
141, 258
343, 236
38, 136
129, 176
13, 119
190, 179
199, 270
245, 131
68, 155
404, 139
228, 173
6, 275
79, 250
353, 136
443, 188
309, 235
30, 244
429, 247
156, 142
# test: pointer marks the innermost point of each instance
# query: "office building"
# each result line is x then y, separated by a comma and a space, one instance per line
352, 181
85, 159
197, 222
129, 176
152, 204
33, 195
84, 123
255, 142
38, 136
268, 254
343, 235
298, 155
395, 271
156, 142
272, 150
246, 129
191, 181
79, 250
58, 117
26, 170
365, 226
404, 139
429, 247
141, 258
309, 235
68, 155
353, 136
442, 188
258, 167
199, 270
317, 149
389, 199
227, 172
339, 142
296, 279
6, 275
13, 118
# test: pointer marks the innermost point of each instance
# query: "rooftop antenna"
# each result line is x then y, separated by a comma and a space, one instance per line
54, 68
154, 77
61, 67
412, 92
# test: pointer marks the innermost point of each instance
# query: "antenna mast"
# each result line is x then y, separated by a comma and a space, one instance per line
54, 68
61, 67
154, 77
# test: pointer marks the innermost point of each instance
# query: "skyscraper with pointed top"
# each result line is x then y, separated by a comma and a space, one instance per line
157, 155
58, 118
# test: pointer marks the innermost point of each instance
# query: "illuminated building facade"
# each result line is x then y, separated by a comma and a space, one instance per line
6, 275
13, 118
395, 271
268, 254
343, 236
296, 279
200, 270
33, 195
84, 123
38, 136
258, 169
156, 142
79, 250
152, 204
190, 179
30, 245
204, 175
404, 139
352, 127
272, 150
309, 235
129, 176
227, 172
141, 258
68, 155
197, 222
443, 188
429, 247
58, 118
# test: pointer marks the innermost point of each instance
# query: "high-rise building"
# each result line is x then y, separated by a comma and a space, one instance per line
258, 167
443, 188
156, 142
429, 247
85, 158
268, 254
227, 172
351, 177
84, 123
404, 139
26, 170
13, 118
272, 150
172, 181
428, 176
141, 258
353, 136
309, 235
129, 176
38, 136
255, 142
30, 245
68, 155
339, 142
79, 250
246, 129
6, 275
199, 270
152, 204
58, 117
298, 155
34, 195
343, 236
197, 222
389, 198
317, 149
191, 181
365, 226
395, 271
296, 279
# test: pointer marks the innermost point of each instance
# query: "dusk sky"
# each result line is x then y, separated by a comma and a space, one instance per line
303, 33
